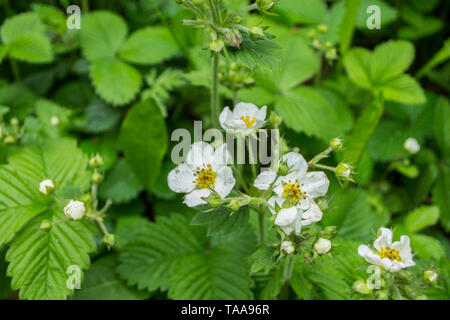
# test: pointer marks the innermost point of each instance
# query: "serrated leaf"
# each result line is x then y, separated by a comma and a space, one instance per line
348, 23
31, 47
172, 254
263, 259
120, 185
18, 98
101, 282
427, 247
20, 24
405, 89
150, 45
115, 81
356, 62
222, 220
315, 112
38, 260
441, 195
421, 218
305, 11
102, 34
442, 125
143, 139
101, 117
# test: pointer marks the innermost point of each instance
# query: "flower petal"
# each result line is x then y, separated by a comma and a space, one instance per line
221, 155
243, 109
365, 252
296, 162
313, 214
404, 248
181, 179
224, 181
315, 184
194, 198
384, 240
225, 116
265, 179
201, 153
275, 199
261, 114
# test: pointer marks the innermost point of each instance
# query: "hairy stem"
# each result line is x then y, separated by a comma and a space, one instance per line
262, 229
215, 91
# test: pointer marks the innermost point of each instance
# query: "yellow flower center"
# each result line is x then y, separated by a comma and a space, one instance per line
292, 191
389, 253
206, 177
249, 122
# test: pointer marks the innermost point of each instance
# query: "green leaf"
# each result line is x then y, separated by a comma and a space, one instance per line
388, 14
222, 220
20, 24
357, 62
172, 254
348, 23
101, 117
101, 282
120, 185
410, 171
405, 89
5, 282
421, 218
305, 11
31, 47
315, 112
102, 35
441, 195
150, 45
263, 259
38, 260
144, 141
442, 125
3, 52
427, 247
115, 81
18, 98
441, 56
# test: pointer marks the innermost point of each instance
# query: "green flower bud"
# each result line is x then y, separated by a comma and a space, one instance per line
431, 277
329, 232
317, 44
336, 144
283, 169
256, 33
265, 5
421, 297
237, 19
322, 28
46, 225
9, 140
109, 240
234, 38
96, 161
216, 45
234, 205
343, 171
97, 177
275, 119
14, 122
405, 275
214, 200
328, 44
311, 34
331, 54
322, 246
361, 287
381, 295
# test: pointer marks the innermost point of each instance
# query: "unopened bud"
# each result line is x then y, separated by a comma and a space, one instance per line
109, 240
275, 119
336, 144
96, 161
46, 186
265, 5
216, 45
361, 287
329, 232
343, 171
46, 225
97, 177
317, 44
54, 121
411, 145
331, 54
9, 140
287, 247
283, 169
234, 38
234, 205
322, 28
214, 200
322, 246
14, 122
311, 34
430, 277
256, 33
381, 295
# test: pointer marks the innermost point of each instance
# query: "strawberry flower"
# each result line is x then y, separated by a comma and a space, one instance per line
244, 119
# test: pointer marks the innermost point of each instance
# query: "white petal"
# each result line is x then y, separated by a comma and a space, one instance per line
387, 264
243, 109
225, 116
286, 217
275, 199
181, 179
221, 155
296, 162
384, 240
224, 181
313, 214
235, 125
404, 248
194, 198
315, 184
396, 266
365, 252
261, 114
201, 153
265, 179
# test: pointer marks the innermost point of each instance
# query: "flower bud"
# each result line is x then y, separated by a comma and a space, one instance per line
381, 295
256, 33
54, 121
331, 54
46, 186
9, 140
275, 119
329, 232
234, 205
96, 177
287, 247
234, 38
328, 45
411, 145
336, 144
96, 161
216, 45
421, 297
14, 122
322, 246
46, 225
110, 240
405, 275
75, 210
322, 28
214, 200
283, 169
237, 19
317, 44
361, 287
343, 171
265, 5
430, 277
311, 34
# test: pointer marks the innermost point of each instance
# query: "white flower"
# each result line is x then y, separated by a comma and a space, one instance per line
244, 119
287, 247
392, 256
289, 220
299, 187
411, 145
205, 169
46, 186
75, 210
54, 121
322, 246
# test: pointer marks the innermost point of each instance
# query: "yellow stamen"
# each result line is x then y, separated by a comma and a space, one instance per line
248, 122
389, 253
292, 191
206, 177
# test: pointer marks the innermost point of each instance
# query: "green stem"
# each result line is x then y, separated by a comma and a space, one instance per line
15, 70
319, 71
215, 91
322, 166
262, 229
85, 6
288, 269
